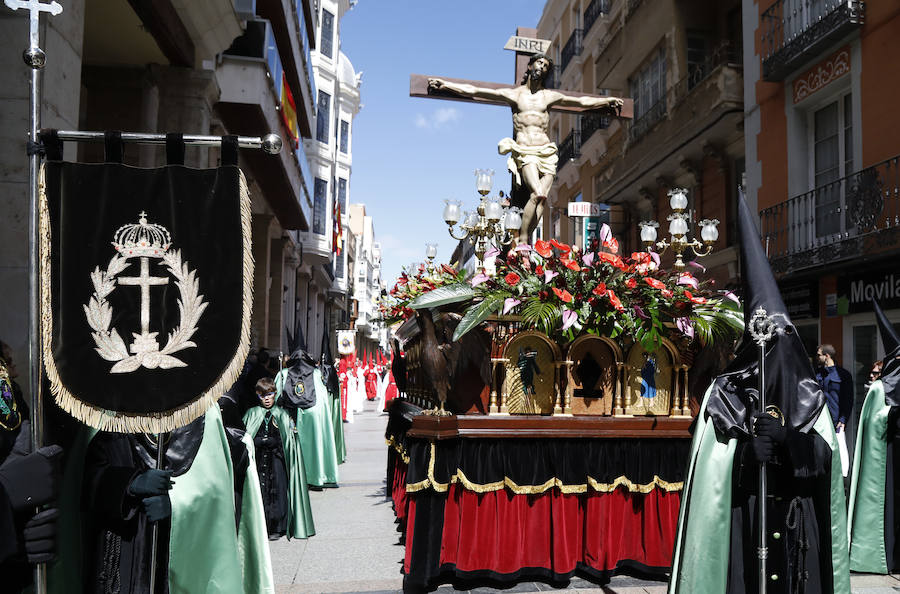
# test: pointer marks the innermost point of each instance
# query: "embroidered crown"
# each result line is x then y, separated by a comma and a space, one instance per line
147, 240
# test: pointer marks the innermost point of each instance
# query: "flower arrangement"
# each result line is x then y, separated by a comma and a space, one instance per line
563, 292
411, 284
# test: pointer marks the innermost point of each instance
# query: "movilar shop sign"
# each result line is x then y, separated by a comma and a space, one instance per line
859, 290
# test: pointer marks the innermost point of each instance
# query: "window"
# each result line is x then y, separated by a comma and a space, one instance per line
832, 159
339, 265
648, 86
320, 205
345, 136
327, 34
342, 194
697, 63
323, 107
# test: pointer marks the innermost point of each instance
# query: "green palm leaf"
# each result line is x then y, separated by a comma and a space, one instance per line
717, 320
443, 295
478, 313
542, 315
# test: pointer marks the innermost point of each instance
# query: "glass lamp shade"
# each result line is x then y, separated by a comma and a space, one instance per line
471, 219
513, 219
451, 211
484, 180
648, 231
493, 211
708, 230
430, 250
678, 199
678, 226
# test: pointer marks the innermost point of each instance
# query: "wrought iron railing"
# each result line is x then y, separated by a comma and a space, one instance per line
854, 215
570, 148
594, 11
590, 123
725, 54
793, 30
641, 125
572, 48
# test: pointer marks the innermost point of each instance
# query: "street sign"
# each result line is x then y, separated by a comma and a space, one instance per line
527, 45
585, 209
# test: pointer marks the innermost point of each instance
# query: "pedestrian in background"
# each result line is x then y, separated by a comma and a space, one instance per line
837, 384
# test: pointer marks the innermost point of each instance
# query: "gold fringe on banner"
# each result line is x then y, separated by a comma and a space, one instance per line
392, 442
507, 483
107, 420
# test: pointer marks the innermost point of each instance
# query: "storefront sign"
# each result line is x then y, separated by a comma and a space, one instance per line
860, 289
585, 209
802, 300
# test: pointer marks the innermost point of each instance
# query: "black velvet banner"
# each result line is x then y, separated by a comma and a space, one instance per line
148, 285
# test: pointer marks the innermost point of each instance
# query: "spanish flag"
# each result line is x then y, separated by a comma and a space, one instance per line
337, 232
289, 111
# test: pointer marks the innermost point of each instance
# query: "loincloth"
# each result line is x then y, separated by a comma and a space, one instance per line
545, 156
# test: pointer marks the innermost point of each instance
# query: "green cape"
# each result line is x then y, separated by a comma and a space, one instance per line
315, 427
205, 554
703, 540
300, 518
867, 504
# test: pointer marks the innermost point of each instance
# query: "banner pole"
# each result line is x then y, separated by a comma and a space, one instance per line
154, 538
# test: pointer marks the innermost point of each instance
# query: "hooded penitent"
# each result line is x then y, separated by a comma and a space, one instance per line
299, 389
874, 497
716, 545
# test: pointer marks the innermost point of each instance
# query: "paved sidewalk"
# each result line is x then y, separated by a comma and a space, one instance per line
356, 547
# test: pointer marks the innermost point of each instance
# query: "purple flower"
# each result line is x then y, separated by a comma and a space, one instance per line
697, 265
492, 251
685, 325
510, 303
523, 247
605, 233
478, 279
655, 257
569, 318
549, 275
588, 259
688, 280
733, 297
640, 312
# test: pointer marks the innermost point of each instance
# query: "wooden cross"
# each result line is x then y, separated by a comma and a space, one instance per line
36, 7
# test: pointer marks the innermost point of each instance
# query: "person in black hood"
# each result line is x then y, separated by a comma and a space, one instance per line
718, 529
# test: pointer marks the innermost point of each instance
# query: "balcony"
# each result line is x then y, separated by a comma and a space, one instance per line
594, 11
725, 55
592, 122
856, 215
570, 148
250, 78
793, 31
572, 48
643, 124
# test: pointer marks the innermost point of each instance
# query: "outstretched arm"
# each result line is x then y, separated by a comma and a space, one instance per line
611, 103
467, 90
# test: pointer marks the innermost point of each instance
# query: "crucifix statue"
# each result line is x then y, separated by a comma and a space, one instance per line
532, 155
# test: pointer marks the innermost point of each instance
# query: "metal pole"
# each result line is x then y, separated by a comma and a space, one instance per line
155, 534
270, 143
763, 487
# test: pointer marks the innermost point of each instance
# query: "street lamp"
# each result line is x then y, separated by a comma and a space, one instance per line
491, 223
430, 253
678, 230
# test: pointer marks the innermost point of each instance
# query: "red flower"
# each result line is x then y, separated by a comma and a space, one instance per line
699, 300
512, 279
615, 300
570, 264
600, 289
448, 269
560, 246
543, 248
612, 245
656, 284
631, 282
612, 259
539, 270
641, 257
564, 295
666, 293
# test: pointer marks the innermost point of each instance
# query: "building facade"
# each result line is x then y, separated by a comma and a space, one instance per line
680, 61
371, 334
200, 67
823, 146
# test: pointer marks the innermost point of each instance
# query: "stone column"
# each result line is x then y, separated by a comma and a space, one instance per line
291, 262
261, 224
61, 39
276, 294
186, 99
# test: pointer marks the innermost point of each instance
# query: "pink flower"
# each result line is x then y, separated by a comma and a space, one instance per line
549, 275
492, 251
523, 247
478, 279
605, 233
588, 259
697, 265
732, 297
687, 279
686, 327
569, 318
510, 303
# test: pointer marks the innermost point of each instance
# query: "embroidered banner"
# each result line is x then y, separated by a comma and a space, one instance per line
146, 290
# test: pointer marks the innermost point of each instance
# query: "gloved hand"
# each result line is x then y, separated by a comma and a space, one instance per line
40, 536
32, 480
763, 449
151, 482
765, 425
157, 508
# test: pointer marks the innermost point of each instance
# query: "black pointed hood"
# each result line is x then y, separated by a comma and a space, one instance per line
299, 390
790, 380
890, 371
329, 374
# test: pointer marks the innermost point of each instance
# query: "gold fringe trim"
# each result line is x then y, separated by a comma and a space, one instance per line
507, 483
108, 420
392, 442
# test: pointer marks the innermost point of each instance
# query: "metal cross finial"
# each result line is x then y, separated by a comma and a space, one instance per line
34, 57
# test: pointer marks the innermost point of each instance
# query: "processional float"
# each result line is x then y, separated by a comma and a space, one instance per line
139, 242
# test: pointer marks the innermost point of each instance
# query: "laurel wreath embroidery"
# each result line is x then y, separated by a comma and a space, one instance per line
109, 343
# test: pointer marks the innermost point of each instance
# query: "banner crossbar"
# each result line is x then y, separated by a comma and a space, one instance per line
270, 143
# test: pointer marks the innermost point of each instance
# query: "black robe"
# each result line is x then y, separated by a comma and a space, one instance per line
273, 478
14, 436
117, 535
